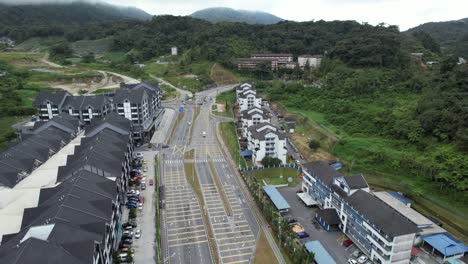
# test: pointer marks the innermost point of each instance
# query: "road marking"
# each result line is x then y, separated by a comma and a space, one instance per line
183, 220
237, 262
233, 243
232, 249
179, 204
232, 232
238, 255
236, 237
185, 238
178, 216
190, 232
191, 243
184, 211
179, 228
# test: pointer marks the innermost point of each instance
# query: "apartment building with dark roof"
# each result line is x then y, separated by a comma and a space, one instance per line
77, 219
380, 231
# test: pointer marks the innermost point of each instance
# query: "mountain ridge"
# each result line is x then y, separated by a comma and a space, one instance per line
225, 14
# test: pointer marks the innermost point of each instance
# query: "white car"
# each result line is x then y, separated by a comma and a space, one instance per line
138, 233
143, 182
362, 259
145, 169
129, 233
298, 162
140, 206
352, 261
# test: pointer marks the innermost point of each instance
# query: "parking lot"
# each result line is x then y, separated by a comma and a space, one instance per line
331, 241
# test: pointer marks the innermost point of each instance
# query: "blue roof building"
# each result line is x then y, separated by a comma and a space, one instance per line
275, 196
445, 245
321, 255
400, 197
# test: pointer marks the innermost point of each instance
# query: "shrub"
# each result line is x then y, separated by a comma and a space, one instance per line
314, 144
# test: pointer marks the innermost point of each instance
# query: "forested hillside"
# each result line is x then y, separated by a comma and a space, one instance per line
21, 22
451, 35
224, 14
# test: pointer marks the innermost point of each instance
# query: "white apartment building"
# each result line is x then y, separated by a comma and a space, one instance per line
253, 116
313, 60
381, 232
248, 99
264, 140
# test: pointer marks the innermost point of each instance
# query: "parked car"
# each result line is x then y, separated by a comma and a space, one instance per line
300, 191
128, 232
352, 261
139, 155
292, 221
143, 186
131, 250
362, 259
128, 241
138, 234
127, 237
143, 181
356, 253
347, 242
303, 235
142, 199
151, 182
145, 169
140, 207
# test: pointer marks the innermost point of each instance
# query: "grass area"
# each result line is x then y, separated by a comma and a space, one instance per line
38, 44
263, 252
158, 216
105, 91
27, 97
219, 185
179, 118
273, 176
228, 99
98, 46
221, 76
192, 178
170, 92
7, 134
359, 152
228, 133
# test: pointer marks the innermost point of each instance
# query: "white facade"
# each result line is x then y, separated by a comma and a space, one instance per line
249, 101
244, 87
252, 117
314, 61
265, 140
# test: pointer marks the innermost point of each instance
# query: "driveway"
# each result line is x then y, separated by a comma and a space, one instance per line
331, 241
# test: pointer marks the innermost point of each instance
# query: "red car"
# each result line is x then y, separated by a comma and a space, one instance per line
347, 242
151, 182
142, 199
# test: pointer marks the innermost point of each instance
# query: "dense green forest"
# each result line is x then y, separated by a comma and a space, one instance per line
422, 112
21, 22
224, 14
452, 36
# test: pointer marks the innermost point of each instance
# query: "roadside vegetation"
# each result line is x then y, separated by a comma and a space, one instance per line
228, 133
263, 252
276, 176
227, 99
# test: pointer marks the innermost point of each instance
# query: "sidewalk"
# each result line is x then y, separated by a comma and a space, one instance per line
162, 131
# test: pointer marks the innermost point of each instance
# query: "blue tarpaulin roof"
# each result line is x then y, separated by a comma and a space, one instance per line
276, 197
446, 244
246, 153
321, 255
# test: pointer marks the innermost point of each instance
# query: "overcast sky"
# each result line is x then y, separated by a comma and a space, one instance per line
404, 13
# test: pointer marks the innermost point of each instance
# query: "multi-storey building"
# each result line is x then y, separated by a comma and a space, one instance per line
86, 108
248, 99
313, 60
49, 103
252, 116
264, 140
69, 210
378, 230
282, 58
140, 103
243, 87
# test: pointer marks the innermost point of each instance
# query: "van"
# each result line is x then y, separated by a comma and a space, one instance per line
203, 134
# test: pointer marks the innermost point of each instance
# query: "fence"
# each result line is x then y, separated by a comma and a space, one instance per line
289, 165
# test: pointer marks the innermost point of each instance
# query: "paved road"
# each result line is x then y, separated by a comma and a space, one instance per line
233, 225
184, 238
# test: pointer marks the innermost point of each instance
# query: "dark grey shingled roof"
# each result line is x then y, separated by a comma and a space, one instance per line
322, 171
356, 182
244, 95
329, 215
83, 102
36, 251
254, 130
338, 190
62, 121
246, 115
54, 97
133, 96
112, 119
380, 214
145, 84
